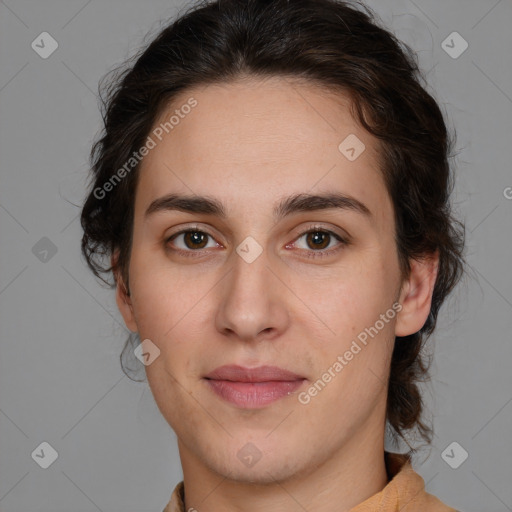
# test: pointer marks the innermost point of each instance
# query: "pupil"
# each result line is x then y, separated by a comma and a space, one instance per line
318, 236
196, 237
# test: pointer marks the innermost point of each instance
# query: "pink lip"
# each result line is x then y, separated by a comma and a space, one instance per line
252, 387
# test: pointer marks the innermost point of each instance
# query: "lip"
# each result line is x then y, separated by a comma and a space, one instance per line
252, 388
237, 373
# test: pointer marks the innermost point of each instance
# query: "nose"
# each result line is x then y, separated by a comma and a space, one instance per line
252, 302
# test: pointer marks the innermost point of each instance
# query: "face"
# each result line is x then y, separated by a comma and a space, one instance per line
295, 288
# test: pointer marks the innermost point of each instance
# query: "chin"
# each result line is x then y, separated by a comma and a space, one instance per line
265, 474
268, 469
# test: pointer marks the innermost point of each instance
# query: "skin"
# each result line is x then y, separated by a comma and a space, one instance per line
249, 143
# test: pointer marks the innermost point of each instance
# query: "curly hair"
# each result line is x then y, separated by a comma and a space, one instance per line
334, 44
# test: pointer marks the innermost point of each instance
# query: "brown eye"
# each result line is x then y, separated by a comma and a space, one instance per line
195, 239
318, 239
191, 240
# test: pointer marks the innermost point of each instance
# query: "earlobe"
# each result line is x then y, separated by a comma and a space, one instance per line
123, 299
416, 295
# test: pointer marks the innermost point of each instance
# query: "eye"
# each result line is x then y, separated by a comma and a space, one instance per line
319, 239
189, 240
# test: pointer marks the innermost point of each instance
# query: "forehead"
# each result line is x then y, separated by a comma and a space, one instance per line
252, 141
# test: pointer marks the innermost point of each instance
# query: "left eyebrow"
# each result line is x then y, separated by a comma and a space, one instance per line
315, 202
290, 205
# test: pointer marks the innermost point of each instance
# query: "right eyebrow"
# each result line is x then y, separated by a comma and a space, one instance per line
189, 204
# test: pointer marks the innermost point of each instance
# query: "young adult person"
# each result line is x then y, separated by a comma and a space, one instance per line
272, 190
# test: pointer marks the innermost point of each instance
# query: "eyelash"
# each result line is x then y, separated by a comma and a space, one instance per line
311, 254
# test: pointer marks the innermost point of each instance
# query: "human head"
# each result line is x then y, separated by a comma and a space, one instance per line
337, 48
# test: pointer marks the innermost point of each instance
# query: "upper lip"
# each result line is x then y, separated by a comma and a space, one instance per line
237, 373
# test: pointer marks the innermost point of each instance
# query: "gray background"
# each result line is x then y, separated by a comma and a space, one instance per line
61, 333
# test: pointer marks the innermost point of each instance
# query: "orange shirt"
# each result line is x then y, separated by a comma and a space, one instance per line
405, 492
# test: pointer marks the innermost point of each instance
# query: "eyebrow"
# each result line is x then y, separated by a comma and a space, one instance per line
293, 204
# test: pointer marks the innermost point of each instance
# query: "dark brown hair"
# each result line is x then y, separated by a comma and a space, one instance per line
337, 45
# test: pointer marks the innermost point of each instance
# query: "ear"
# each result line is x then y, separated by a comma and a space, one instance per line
123, 299
416, 295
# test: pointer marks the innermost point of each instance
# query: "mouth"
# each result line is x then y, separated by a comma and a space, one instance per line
253, 388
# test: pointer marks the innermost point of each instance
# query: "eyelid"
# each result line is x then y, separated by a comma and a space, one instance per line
315, 226
187, 229
192, 227
343, 239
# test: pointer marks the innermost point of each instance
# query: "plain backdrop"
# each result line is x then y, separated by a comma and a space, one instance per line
61, 334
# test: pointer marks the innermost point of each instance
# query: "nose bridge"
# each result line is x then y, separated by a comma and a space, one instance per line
250, 269
250, 302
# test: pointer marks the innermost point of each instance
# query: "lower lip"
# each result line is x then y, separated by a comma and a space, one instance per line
253, 394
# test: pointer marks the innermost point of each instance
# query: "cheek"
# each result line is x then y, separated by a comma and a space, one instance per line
352, 360
351, 298
162, 295
349, 306
170, 308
